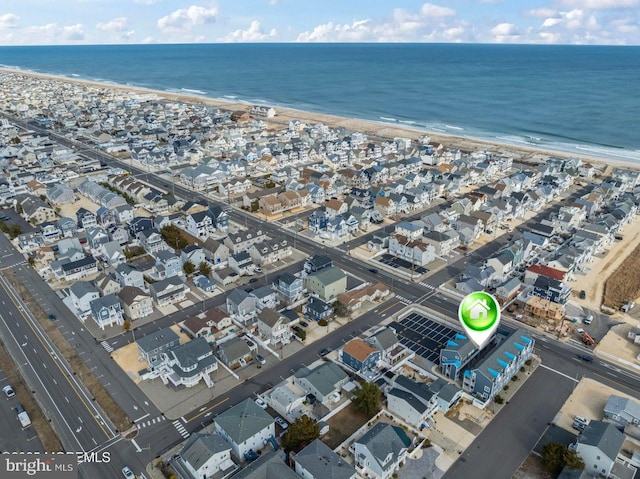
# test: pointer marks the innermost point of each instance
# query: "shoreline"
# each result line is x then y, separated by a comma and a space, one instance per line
379, 129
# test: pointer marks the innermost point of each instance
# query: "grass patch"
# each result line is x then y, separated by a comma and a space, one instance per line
624, 283
343, 425
39, 423
100, 394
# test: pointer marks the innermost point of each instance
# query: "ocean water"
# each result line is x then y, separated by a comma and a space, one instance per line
582, 99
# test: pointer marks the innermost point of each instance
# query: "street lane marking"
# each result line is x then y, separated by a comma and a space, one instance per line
560, 373
209, 409
181, 429
135, 444
141, 418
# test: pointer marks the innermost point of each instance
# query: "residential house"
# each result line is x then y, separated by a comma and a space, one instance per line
360, 356
111, 252
386, 341
444, 243
414, 251
151, 240
456, 355
205, 455
128, 275
273, 327
317, 263
153, 345
289, 288
318, 461
213, 324
194, 254
379, 452
72, 270
411, 401
136, 304
269, 465
106, 311
508, 290
489, 376
216, 252
82, 293
85, 218
241, 306
60, 194
241, 263
36, 211
622, 411
168, 291
323, 382
189, 363
106, 284
245, 426
327, 283
96, 237
234, 353
543, 308
316, 309
551, 290
598, 446
167, 265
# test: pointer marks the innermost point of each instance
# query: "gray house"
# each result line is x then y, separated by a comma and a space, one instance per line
245, 426
154, 344
186, 364
318, 461
622, 411
455, 355
82, 293
128, 275
598, 446
204, 455
414, 402
322, 382
107, 311
380, 451
234, 353
241, 305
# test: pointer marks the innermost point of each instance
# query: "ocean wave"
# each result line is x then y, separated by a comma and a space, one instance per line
75, 75
453, 127
190, 90
408, 122
231, 97
386, 118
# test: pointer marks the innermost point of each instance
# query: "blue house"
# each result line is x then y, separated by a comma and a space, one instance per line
316, 309
360, 356
489, 376
318, 221
455, 356
288, 287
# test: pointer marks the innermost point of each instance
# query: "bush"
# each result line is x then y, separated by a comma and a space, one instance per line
515, 377
528, 362
499, 399
506, 388
322, 322
522, 369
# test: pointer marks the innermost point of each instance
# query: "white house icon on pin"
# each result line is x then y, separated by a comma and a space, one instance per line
478, 309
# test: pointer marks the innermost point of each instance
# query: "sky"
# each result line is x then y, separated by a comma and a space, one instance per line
78, 22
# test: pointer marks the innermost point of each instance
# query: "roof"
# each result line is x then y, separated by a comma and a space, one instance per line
496, 362
129, 293
420, 390
547, 271
82, 288
269, 317
386, 338
268, 466
359, 349
234, 349
329, 275
604, 436
621, 405
157, 339
384, 439
200, 447
321, 462
409, 398
324, 378
196, 352
287, 278
244, 420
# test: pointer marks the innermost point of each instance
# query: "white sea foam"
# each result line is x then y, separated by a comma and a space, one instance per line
386, 118
453, 127
197, 92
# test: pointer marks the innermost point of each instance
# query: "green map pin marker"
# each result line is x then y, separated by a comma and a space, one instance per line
479, 314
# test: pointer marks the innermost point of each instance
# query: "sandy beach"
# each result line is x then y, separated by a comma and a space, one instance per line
371, 128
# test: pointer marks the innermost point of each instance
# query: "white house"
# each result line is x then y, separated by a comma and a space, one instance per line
245, 426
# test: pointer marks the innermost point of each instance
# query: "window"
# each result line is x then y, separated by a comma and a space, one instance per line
598, 458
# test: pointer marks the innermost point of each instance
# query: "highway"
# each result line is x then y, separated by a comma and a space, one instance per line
541, 395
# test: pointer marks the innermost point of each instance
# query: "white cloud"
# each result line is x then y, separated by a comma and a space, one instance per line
118, 24
146, 2
430, 23
505, 32
436, 11
186, 18
53, 34
600, 4
253, 34
8, 20
541, 12
550, 22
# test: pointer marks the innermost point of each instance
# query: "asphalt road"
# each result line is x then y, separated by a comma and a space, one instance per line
515, 432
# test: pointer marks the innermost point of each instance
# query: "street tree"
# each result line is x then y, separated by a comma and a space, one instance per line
302, 430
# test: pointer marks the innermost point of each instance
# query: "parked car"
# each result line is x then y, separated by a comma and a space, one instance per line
588, 319
261, 359
579, 426
304, 324
282, 423
253, 280
260, 402
583, 294
52, 317
8, 391
297, 328
324, 352
128, 473
251, 455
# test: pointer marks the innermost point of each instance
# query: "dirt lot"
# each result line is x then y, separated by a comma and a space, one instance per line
616, 343
593, 282
104, 400
624, 283
532, 468
342, 425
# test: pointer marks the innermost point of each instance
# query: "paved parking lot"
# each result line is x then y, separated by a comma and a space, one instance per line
423, 336
396, 262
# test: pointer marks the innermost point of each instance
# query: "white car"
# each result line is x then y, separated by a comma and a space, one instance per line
8, 391
260, 402
128, 473
282, 423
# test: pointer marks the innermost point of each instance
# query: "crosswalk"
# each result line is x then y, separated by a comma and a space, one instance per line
402, 299
181, 429
155, 420
106, 346
428, 286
